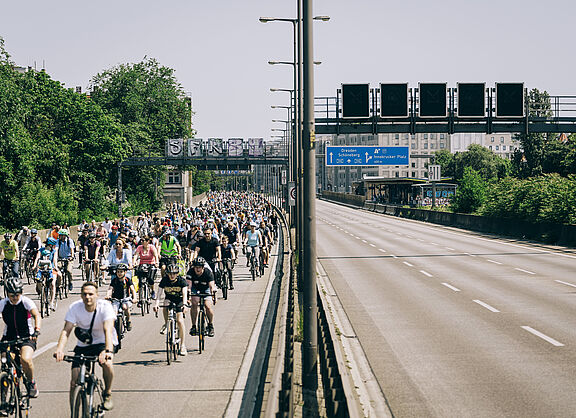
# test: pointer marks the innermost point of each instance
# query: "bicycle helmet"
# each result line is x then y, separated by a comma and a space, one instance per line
51, 241
45, 252
199, 262
173, 268
121, 266
132, 234
33, 231
14, 285
92, 235
7, 236
64, 232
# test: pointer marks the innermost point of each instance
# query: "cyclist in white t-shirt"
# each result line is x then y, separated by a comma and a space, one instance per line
101, 340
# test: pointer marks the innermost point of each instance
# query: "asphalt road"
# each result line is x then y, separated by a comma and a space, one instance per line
455, 324
144, 385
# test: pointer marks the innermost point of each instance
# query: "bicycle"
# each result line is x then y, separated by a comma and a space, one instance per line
254, 271
88, 387
172, 338
7, 266
226, 277
91, 276
66, 277
119, 323
27, 268
13, 401
145, 272
202, 321
43, 287
261, 261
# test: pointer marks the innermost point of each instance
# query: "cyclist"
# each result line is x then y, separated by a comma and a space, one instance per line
17, 311
22, 237
122, 289
120, 254
32, 246
253, 241
176, 290
169, 250
92, 250
182, 240
231, 232
66, 250
49, 252
146, 253
227, 251
82, 241
266, 242
113, 236
209, 249
201, 285
94, 322
9, 248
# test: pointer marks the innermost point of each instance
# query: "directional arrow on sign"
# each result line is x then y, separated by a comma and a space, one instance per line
368, 157
331, 154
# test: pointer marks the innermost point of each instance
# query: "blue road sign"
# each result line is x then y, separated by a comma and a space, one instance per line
349, 155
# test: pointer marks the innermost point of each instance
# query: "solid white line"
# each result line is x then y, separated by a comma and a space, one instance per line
381, 249
492, 261
408, 264
567, 284
490, 308
372, 245
449, 286
425, 273
544, 337
524, 271
44, 349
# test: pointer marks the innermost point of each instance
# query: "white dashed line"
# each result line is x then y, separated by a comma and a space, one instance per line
372, 245
492, 261
567, 284
364, 241
382, 249
449, 286
450, 248
408, 264
420, 239
357, 237
425, 273
433, 243
44, 349
393, 256
544, 337
490, 308
471, 255
524, 271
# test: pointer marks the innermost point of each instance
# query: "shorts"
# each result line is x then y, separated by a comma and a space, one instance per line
166, 261
91, 350
202, 293
28, 343
116, 304
178, 306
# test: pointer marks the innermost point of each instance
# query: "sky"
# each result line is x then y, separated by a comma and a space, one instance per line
220, 50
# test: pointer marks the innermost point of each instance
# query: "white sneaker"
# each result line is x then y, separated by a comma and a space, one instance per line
163, 329
52, 307
183, 351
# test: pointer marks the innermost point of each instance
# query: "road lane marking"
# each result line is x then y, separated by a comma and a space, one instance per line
543, 336
524, 271
393, 256
382, 249
420, 239
408, 264
433, 243
425, 273
372, 245
44, 349
357, 237
471, 255
567, 284
449, 286
490, 308
364, 241
492, 261
450, 248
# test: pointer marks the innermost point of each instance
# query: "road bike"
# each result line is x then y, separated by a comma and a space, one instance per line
66, 277
254, 271
172, 338
226, 277
26, 269
202, 321
13, 401
87, 397
120, 322
43, 286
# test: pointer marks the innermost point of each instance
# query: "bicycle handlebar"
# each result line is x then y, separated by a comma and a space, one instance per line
81, 357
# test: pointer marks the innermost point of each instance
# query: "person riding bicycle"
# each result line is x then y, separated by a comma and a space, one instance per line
113, 236
32, 246
92, 250
92, 320
175, 288
146, 253
82, 240
122, 289
66, 250
201, 285
169, 250
18, 311
228, 256
120, 254
50, 253
10, 249
231, 232
266, 241
209, 249
253, 241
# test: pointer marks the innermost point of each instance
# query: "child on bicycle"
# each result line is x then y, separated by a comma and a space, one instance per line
123, 291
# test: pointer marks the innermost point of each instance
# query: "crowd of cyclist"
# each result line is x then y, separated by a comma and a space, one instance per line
181, 257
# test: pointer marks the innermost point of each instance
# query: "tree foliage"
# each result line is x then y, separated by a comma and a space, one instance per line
471, 192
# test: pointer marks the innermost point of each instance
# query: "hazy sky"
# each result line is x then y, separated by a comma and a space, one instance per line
220, 50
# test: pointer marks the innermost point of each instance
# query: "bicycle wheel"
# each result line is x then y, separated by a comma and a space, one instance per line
169, 341
9, 395
201, 330
79, 403
118, 326
143, 298
175, 343
46, 291
42, 297
66, 281
225, 284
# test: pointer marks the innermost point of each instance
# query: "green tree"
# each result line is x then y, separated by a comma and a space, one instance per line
471, 192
